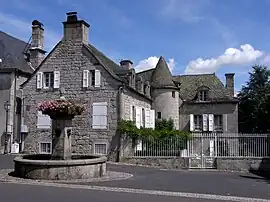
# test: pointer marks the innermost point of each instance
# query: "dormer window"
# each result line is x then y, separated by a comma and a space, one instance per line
203, 95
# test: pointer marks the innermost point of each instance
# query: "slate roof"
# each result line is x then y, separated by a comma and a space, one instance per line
191, 83
162, 76
11, 53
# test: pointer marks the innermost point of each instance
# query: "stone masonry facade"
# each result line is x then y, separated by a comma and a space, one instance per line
155, 92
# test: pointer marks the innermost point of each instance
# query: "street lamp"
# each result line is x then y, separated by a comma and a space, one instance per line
7, 108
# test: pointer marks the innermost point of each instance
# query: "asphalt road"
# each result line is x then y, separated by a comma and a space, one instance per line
148, 180
27, 193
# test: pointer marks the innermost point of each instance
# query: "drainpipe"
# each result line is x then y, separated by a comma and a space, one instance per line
120, 116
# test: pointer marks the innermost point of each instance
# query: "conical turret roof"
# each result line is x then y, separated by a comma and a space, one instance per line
162, 76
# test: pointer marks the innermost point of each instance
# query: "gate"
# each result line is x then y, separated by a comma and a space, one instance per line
202, 150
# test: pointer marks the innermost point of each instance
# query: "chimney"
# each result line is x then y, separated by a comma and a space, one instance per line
126, 64
75, 30
37, 52
140, 86
230, 83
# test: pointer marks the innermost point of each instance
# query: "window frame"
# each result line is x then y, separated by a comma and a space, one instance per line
173, 94
99, 127
219, 126
100, 142
50, 80
203, 95
159, 115
40, 147
199, 125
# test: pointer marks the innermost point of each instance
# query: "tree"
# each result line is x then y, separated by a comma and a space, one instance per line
254, 102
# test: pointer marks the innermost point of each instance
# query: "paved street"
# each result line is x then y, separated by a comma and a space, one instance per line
148, 184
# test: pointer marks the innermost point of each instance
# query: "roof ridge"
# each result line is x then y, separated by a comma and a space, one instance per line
145, 71
9, 35
207, 74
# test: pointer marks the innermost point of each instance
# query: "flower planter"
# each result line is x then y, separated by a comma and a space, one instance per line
61, 112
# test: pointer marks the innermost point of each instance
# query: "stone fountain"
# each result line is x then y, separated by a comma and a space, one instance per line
61, 164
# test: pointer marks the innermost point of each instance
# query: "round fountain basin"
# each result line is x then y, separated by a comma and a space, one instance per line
39, 166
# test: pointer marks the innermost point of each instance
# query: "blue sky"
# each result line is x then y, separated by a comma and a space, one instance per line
195, 36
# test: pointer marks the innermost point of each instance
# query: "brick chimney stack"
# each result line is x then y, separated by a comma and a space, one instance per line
230, 83
75, 30
37, 52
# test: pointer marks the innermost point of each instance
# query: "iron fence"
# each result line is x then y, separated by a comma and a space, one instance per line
205, 144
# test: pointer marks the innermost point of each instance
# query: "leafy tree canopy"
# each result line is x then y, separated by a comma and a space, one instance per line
254, 102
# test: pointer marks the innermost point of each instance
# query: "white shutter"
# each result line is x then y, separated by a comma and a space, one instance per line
99, 116
131, 113
56, 82
152, 119
205, 122
97, 78
211, 122
147, 118
138, 117
191, 122
85, 78
43, 121
39, 80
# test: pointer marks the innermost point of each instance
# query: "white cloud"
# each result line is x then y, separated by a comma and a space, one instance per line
232, 56
151, 62
20, 28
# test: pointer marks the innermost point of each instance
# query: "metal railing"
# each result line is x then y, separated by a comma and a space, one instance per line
205, 144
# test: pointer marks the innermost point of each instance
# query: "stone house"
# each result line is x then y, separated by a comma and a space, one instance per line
14, 70
76, 70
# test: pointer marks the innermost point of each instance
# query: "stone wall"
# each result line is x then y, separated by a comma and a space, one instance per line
164, 102
224, 164
161, 162
71, 58
133, 99
243, 164
230, 110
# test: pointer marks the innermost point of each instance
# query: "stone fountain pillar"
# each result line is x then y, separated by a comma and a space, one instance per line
61, 138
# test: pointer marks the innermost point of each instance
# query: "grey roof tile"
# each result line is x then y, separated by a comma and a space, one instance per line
162, 76
11, 53
191, 83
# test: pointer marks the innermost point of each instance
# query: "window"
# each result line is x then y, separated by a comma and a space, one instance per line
143, 118
198, 122
203, 95
48, 79
159, 115
43, 121
45, 147
100, 148
218, 122
173, 94
99, 118
93, 76
133, 113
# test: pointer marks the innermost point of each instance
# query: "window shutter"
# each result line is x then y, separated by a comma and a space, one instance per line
43, 121
147, 118
99, 118
205, 122
39, 80
85, 78
56, 82
211, 122
131, 113
191, 122
97, 78
152, 119
138, 117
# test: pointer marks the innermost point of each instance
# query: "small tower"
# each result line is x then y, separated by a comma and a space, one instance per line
165, 93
